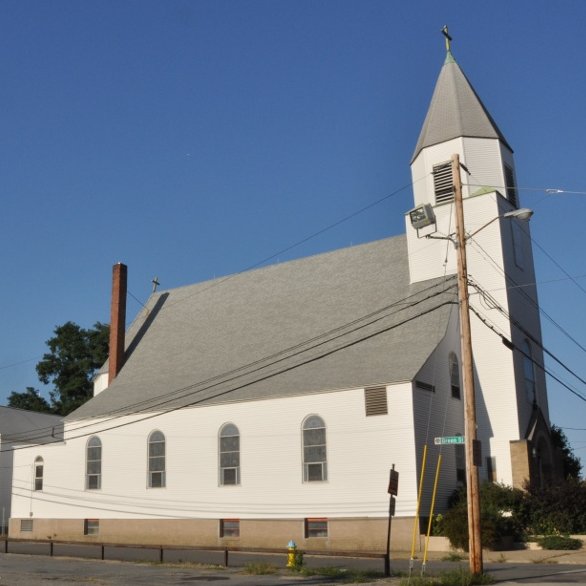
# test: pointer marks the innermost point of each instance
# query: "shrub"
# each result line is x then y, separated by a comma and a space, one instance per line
557, 508
559, 542
500, 508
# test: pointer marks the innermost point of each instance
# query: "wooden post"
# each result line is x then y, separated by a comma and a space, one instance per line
472, 483
226, 557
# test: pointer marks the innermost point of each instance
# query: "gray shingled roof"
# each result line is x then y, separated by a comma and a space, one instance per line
29, 427
455, 110
260, 334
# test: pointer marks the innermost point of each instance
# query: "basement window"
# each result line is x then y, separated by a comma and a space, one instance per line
375, 401
229, 527
316, 528
91, 526
443, 184
26, 525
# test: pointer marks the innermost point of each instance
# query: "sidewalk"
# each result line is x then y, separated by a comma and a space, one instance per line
517, 556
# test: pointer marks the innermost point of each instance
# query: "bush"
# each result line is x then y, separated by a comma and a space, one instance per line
500, 512
557, 508
559, 542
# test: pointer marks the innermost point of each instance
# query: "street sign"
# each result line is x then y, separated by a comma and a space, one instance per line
449, 440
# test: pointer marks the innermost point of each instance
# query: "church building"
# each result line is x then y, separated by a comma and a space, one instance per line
270, 405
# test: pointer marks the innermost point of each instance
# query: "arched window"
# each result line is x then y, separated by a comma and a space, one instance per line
229, 448
529, 372
454, 375
156, 460
39, 473
315, 464
93, 467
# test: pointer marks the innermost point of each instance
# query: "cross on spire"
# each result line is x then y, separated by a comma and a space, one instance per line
447, 36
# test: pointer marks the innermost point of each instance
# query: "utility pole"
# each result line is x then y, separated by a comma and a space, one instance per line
472, 483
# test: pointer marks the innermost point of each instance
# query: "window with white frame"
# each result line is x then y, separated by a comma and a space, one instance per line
454, 375
229, 451
314, 449
39, 473
529, 372
93, 467
156, 453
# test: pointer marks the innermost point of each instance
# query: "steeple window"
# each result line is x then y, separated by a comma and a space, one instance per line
443, 184
511, 187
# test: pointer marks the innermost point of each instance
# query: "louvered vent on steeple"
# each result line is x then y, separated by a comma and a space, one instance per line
443, 183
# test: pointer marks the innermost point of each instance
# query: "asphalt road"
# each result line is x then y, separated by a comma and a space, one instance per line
41, 570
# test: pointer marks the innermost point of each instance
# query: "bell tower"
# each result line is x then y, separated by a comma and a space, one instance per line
506, 332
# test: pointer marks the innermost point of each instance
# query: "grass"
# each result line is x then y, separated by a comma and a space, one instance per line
343, 575
260, 569
454, 578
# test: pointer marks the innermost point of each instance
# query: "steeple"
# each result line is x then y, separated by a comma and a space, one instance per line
455, 109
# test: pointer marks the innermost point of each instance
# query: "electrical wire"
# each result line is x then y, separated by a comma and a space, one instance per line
262, 377
513, 346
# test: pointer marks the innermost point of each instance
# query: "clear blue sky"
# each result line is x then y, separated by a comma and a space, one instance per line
194, 138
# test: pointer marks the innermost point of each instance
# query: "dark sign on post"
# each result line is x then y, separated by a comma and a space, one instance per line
393, 483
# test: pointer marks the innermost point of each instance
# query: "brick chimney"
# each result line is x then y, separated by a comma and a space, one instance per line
117, 320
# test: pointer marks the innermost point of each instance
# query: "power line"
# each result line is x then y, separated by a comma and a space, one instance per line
192, 390
548, 190
508, 279
513, 346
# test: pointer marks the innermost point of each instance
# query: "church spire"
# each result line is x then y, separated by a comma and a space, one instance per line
455, 109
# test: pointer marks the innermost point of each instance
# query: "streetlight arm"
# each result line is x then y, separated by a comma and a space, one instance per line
520, 214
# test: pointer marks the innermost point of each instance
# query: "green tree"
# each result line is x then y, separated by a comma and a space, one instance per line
30, 400
75, 355
73, 358
570, 462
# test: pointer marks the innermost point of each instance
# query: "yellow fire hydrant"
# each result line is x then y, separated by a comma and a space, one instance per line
294, 557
